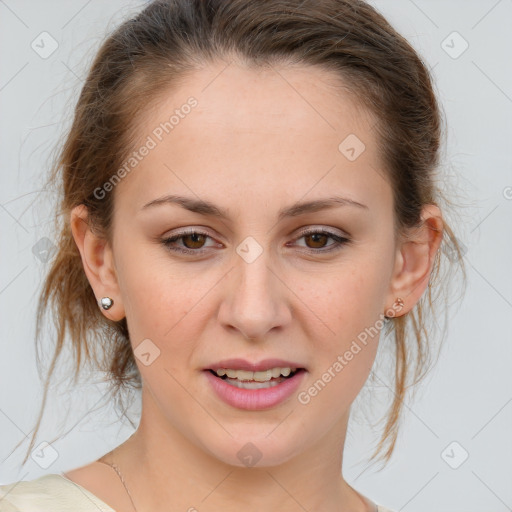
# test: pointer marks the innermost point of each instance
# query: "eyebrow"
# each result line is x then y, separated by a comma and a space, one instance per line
299, 208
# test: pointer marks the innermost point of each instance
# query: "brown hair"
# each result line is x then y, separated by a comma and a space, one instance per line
149, 53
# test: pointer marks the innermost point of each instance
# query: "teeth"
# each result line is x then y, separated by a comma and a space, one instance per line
264, 376
252, 384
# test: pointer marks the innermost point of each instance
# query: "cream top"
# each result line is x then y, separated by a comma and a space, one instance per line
56, 493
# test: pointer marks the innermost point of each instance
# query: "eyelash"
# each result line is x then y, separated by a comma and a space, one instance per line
340, 241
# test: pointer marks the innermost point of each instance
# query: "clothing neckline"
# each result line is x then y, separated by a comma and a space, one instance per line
88, 493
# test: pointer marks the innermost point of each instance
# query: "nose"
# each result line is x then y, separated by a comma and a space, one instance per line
256, 301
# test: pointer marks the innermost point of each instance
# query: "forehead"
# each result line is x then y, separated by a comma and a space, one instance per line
242, 98
251, 128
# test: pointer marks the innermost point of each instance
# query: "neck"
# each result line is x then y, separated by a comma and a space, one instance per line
189, 478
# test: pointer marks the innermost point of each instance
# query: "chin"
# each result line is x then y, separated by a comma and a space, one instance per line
247, 451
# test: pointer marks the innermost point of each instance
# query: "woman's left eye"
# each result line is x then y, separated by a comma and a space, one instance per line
318, 236
193, 241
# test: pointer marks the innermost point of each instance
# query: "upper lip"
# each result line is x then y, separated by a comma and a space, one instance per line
243, 364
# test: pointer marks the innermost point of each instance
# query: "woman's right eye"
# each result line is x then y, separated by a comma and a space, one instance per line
192, 240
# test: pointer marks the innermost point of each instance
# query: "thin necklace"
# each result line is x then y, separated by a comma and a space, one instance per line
118, 471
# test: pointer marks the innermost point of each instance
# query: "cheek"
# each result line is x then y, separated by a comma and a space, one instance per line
350, 309
166, 305
348, 302
345, 355
156, 294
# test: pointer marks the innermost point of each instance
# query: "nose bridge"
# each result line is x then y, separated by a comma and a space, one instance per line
255, 279
257, 302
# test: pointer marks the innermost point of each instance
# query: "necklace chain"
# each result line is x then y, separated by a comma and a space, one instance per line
118, 471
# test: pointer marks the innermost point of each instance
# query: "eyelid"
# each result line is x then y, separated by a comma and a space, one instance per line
328, 230
301, 231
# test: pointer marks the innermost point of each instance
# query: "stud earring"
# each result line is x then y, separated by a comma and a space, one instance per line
106, 302
398, 302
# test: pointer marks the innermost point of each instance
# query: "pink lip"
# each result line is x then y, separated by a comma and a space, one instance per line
242, 364
255, 399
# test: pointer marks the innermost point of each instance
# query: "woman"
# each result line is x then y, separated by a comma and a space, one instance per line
249, 199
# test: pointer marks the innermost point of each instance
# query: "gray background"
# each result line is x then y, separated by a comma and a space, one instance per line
464, 408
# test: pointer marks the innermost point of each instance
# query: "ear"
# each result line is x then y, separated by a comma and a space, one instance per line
98, 262
414, 262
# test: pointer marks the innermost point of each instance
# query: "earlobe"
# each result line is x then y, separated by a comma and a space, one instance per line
396, 308
98, 263
415, 260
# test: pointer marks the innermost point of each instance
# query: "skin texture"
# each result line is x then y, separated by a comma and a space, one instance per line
259, 140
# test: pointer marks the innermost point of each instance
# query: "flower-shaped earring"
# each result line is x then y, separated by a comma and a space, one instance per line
399, 302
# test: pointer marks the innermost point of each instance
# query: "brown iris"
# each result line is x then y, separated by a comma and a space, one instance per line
316, 236
197, 238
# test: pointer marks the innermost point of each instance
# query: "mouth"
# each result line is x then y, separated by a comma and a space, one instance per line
246, 379
255, 386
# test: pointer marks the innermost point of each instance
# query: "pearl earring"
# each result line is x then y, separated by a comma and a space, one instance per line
106, 302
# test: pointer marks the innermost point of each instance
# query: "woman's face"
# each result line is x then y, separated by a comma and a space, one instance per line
250, 286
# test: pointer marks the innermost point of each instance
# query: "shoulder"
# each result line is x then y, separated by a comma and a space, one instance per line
380, 508
48, 493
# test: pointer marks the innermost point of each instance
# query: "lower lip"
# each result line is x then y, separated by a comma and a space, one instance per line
255, 399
